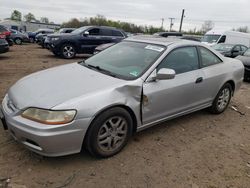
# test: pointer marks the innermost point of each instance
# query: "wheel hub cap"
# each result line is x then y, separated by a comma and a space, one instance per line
112, 134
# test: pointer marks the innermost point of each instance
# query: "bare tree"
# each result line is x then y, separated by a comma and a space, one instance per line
207, 25
243, 29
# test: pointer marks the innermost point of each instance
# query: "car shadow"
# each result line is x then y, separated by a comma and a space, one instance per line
159, 128
2, 57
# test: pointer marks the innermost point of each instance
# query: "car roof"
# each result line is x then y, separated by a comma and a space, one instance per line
160, 40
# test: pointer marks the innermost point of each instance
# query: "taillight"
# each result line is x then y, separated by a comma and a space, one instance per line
2, 36
6, 33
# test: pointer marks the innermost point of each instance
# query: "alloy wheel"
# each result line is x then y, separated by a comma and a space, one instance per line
223, 99
68, 51
112, 134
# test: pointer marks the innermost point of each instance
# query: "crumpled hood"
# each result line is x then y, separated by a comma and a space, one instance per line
244, 59
51, 87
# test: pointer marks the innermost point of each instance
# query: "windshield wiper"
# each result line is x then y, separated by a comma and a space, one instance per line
99, 69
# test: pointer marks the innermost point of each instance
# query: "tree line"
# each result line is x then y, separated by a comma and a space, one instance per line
126, 26
17, 16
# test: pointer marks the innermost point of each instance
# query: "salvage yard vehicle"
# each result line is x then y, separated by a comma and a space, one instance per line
230, 50
19, 37
99, 103
4, 47
40, 38
169, 34
214, 36
245, 59
6, 33
32, 35
83, 40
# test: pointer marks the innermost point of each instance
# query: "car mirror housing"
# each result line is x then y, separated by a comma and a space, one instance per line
165, 74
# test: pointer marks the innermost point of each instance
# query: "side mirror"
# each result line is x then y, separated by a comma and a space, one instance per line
162, 74
86, 33
165, 74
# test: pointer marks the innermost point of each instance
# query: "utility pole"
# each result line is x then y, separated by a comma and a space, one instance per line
182, 17
171, 23
162, 22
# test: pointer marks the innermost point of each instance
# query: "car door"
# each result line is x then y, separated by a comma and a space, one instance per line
91, 41
213, 74
167, 98
106, 35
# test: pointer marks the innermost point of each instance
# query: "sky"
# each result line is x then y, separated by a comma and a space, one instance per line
226, 14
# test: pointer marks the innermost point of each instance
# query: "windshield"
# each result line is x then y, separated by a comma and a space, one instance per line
210, 38
127, 60
223, 47
80, 30
247, 53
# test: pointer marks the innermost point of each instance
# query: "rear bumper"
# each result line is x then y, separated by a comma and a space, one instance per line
46, 140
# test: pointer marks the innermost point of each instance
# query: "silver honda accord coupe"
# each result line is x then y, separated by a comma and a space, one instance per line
99, 103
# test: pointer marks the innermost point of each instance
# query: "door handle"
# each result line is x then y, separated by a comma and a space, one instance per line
199, 80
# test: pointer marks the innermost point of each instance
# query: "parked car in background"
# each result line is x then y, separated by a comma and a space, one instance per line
99, 103
6, 32
245, 59
103, 47
193, 38
19, 37
66, 30
83, 40
40, 38
230, 50
4, 46
169, 34
214, 36
32, 35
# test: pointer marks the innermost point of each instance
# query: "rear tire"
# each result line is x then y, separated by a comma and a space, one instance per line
222, 99
109, 133
68, 51
18, 41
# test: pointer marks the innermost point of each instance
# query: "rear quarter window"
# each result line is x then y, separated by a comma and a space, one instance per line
208, 58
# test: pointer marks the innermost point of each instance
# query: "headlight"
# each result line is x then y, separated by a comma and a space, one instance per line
49, 117
55, 39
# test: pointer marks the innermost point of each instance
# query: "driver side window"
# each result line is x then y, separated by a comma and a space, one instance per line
181, 60
94, 31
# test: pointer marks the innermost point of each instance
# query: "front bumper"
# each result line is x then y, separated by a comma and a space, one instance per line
247, 73
43, 139
4, 48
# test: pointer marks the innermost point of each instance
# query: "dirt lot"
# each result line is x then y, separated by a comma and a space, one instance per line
196, 151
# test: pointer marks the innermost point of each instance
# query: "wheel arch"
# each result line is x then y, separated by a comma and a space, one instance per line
232, 83
71, 43
128, 109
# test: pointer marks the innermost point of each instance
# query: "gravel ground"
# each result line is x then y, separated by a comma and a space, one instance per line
199, 150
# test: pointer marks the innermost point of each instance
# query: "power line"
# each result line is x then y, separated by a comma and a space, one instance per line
162, 22
171, 23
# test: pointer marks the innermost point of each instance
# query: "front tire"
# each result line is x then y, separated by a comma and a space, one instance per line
222, 99
109, 133
68, 51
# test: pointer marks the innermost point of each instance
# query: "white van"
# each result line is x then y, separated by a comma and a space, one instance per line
213, 37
